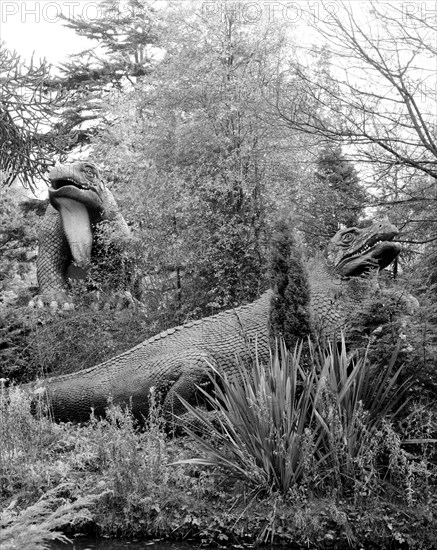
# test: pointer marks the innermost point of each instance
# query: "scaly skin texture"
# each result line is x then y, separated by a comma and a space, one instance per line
175, 362
73, 186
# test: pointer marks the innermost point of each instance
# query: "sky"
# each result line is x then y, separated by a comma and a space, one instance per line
34, 26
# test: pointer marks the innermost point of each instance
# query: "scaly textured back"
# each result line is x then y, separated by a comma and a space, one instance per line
173, 362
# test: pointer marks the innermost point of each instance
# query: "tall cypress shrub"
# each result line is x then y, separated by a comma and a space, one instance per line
290, 307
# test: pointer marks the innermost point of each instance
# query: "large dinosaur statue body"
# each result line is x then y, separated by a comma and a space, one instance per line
79, 201
173, 362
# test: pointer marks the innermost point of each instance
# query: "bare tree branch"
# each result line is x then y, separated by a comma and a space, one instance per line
372, 96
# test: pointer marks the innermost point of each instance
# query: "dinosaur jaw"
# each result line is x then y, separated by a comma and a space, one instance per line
378, 256
78, 207
69, 189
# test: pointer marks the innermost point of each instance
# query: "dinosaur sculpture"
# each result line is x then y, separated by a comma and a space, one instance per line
79, 201
173, 362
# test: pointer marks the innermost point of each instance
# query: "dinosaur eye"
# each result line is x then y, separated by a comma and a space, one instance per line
347, 238
89, 171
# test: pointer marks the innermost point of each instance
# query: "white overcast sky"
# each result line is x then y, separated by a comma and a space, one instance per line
29, 26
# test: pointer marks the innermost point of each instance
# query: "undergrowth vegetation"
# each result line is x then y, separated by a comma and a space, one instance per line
331, 428
39, 342
311, 455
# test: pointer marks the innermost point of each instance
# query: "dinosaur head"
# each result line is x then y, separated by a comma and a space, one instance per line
78, 193
78, 181
353, 252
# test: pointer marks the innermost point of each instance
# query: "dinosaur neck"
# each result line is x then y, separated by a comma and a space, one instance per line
320, 275
333, 299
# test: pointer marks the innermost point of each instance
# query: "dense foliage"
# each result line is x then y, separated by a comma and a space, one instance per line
18, 239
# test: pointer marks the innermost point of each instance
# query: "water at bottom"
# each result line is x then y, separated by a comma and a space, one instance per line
90, 543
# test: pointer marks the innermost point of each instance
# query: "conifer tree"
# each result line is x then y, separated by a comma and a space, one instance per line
27, 111
289, 314
124, 35
335, 197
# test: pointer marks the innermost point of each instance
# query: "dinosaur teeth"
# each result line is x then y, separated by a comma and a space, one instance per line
362, 250
57, 184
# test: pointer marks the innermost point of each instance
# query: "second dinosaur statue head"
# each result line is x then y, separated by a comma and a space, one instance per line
78, 181
82, 200
353, 252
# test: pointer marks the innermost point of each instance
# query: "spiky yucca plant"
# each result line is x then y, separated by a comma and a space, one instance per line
264, 428
280, 425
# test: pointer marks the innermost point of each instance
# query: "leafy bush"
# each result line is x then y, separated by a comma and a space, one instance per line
330, 429
106, 474
393, 317
40, 342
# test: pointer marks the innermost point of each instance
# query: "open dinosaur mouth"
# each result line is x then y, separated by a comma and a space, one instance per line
373, 245
70, 188
378, 254
64, 182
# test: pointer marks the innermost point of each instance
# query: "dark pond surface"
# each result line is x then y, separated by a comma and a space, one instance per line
91, 543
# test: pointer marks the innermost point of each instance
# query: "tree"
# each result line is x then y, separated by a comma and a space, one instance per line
334, 197
18, 240
28, 110
196, 165
397, 113
389, 125
289, 314
125, 35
